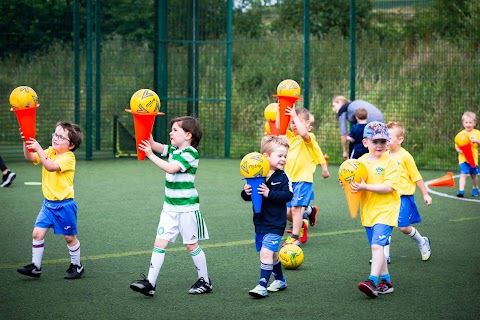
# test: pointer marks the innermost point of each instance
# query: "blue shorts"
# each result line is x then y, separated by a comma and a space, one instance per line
466, 168
408, 212
59, 215
302, 194
379, 234
269, 241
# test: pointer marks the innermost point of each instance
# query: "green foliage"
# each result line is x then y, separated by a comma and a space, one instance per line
34, 25
325, 16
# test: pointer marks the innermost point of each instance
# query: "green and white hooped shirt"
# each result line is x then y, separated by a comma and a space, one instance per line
180, 192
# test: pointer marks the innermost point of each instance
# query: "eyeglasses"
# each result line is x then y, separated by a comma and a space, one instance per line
59, 137
382, 142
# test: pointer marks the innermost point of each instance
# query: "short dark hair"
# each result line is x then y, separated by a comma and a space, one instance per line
192, 125
75, 134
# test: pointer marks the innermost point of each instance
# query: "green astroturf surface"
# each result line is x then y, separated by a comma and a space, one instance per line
119, 204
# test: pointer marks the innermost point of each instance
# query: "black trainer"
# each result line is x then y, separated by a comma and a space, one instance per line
201, 286
74, 271
143, 286
30, 270
8, 178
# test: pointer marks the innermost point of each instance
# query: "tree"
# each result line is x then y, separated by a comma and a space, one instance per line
325, 16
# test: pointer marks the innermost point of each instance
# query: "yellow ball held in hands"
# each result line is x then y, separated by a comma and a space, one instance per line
462, 139
145, 101
23, 97
352, 170
254, 165
288, 88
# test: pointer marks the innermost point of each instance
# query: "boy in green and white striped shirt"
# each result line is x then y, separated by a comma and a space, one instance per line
180, 213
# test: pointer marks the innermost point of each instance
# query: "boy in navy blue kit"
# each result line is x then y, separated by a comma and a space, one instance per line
270, 223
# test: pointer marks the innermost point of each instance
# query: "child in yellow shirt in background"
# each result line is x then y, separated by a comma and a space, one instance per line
469, 121
409, 179
379, 205
303, 157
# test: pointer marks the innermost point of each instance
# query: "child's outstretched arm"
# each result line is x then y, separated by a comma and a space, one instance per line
168, 167
33, 144
156, 146
426, 197
301, 129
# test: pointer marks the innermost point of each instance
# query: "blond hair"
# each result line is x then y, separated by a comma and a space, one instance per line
469, 115
393, 125
271, 143
340, 99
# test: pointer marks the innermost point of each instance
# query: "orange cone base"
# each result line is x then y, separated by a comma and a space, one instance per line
445, 181
283, 103
353, 200
27, 120
143, 124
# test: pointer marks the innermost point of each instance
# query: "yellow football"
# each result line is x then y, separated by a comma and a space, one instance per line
462, 139
254, 165
291, 256
145, 101
352, 170
271, 111
288, 88
23, 97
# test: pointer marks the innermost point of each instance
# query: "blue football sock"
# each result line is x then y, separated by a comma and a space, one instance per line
374, 279
386, 277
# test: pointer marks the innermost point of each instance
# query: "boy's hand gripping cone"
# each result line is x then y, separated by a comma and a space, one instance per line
24, 102
462, 140
254, 167
145, 106
256, 197
352, 170
288, 92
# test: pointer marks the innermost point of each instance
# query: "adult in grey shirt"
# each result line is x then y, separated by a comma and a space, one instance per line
345, 110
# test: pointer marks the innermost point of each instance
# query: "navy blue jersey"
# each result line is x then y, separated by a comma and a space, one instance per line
273, 216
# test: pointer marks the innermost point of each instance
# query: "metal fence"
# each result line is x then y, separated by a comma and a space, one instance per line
222, 62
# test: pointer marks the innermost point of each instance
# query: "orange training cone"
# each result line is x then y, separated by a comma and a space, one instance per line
284, 102
273, 128
27, 119
256, 197
143, 123
445, 181
467, 152
353, 199
462, 140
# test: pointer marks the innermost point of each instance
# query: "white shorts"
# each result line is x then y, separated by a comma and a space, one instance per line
190, 225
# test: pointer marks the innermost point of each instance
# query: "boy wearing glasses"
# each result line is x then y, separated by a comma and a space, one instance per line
59, 210
379, 205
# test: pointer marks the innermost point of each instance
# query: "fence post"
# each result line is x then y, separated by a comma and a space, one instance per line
352, 49
228, 80
306, 54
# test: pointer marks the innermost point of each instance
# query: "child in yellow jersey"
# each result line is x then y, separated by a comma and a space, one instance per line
409, 179
469, 121
59, 210
379, 205
303, 157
